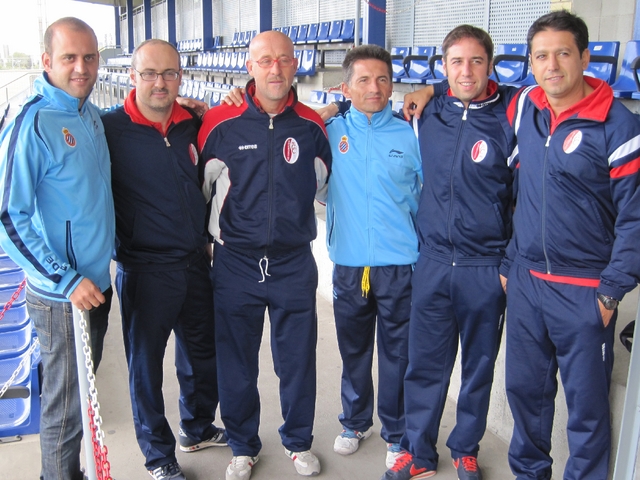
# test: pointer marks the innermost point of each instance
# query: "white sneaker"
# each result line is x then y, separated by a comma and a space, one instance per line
393, 452
240, 468
348, 441
306, 463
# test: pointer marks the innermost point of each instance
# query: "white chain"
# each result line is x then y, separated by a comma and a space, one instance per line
93, 392
26, 356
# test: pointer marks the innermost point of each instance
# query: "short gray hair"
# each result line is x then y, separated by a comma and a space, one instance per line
364, 52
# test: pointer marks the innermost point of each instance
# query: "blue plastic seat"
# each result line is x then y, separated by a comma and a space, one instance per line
234, 42
318, 96
242, 62
417, 65
348, 31
627, 83
293, 33
307, 65
285, 30
323, 32
436, 65
302, 34
334, 32
335, 97
604, 61
511, 63
312, 34
397, 58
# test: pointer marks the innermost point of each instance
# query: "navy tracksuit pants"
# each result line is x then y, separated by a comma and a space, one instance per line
388, 301
451, 303
244, 286
555, 325
152, 305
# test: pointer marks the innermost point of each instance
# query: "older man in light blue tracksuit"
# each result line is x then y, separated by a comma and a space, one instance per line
374, 190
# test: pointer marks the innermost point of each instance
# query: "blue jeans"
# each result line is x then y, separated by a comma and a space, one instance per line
61, 417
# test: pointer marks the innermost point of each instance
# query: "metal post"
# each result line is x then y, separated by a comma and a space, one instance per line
630, 428
83, 384
356, 32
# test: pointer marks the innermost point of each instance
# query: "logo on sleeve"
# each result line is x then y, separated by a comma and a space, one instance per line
479, 151
343, 146
393, 153
68, 138
291, 150
193, 153
572, 141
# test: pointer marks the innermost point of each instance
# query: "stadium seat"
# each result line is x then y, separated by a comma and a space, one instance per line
627, 83
511, 63
323, 32
312, 34
348, 31
397, 107
302, 34
285, 30
417, 65
334, 32
603, 63
318, 96
293, 33
397, 58
437, 67
307, 65
242, 62
336, 96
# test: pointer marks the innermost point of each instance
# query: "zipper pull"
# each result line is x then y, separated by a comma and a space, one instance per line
464, 115
548, 140
166, 142
270, 123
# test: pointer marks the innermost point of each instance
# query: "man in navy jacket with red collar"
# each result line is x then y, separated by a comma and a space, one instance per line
263, 165
574, 253
163, 266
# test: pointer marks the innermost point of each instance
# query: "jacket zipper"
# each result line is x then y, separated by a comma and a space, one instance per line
368, 189
451, 193
544, 202
270, 185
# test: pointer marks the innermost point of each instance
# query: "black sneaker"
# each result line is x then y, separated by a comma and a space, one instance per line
406, 469
467, 468
219, 439
167, 472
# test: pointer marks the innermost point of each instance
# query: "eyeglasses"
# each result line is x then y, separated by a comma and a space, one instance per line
267, 62
167, 76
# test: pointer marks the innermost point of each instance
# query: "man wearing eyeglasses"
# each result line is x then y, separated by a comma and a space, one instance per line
263, 164
163, 266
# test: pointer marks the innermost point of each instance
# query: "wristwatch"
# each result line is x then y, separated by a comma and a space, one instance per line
609, 303
337, 104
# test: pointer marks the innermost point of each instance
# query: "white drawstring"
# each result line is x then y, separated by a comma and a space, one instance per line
264, 271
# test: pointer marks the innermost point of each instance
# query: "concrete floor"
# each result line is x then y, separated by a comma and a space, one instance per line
20, 460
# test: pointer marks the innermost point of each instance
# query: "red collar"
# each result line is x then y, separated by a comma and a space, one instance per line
178, 114
251, 91
492, 87
594, 106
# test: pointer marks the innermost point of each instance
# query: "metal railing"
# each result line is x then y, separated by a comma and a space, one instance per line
17, 89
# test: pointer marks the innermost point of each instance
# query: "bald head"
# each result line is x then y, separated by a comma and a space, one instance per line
155, 42
66, 24
270, 37
272, 65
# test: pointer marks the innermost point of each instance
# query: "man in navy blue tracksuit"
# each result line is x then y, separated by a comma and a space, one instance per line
464, 224
163, 267
263, 165
574, 253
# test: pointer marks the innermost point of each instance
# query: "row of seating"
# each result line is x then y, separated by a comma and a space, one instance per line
241, 39
209, 92
235, 62
337, 31
510, 64
324, 97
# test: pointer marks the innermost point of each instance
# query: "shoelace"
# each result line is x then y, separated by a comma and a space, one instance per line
304, 457
402, 462
394, 447
165, 470
351, 434
470, 464
239, 462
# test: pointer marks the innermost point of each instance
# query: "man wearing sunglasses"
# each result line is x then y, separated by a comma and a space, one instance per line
263, 165
163, 266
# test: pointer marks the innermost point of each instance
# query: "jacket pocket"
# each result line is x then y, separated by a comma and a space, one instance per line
606, 238
497, 209
71, 255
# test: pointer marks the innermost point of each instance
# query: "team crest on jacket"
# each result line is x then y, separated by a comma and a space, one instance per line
479, 151
291, 150
572, 141
343, 146
68, 138
193, 153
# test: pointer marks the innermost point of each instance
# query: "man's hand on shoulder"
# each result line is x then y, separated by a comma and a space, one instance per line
234, 97
87, 295
196, 105
415, 102
327, 112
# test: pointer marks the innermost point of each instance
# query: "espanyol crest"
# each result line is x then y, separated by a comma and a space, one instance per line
479, 151
343, 146
69, 139
291, 150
